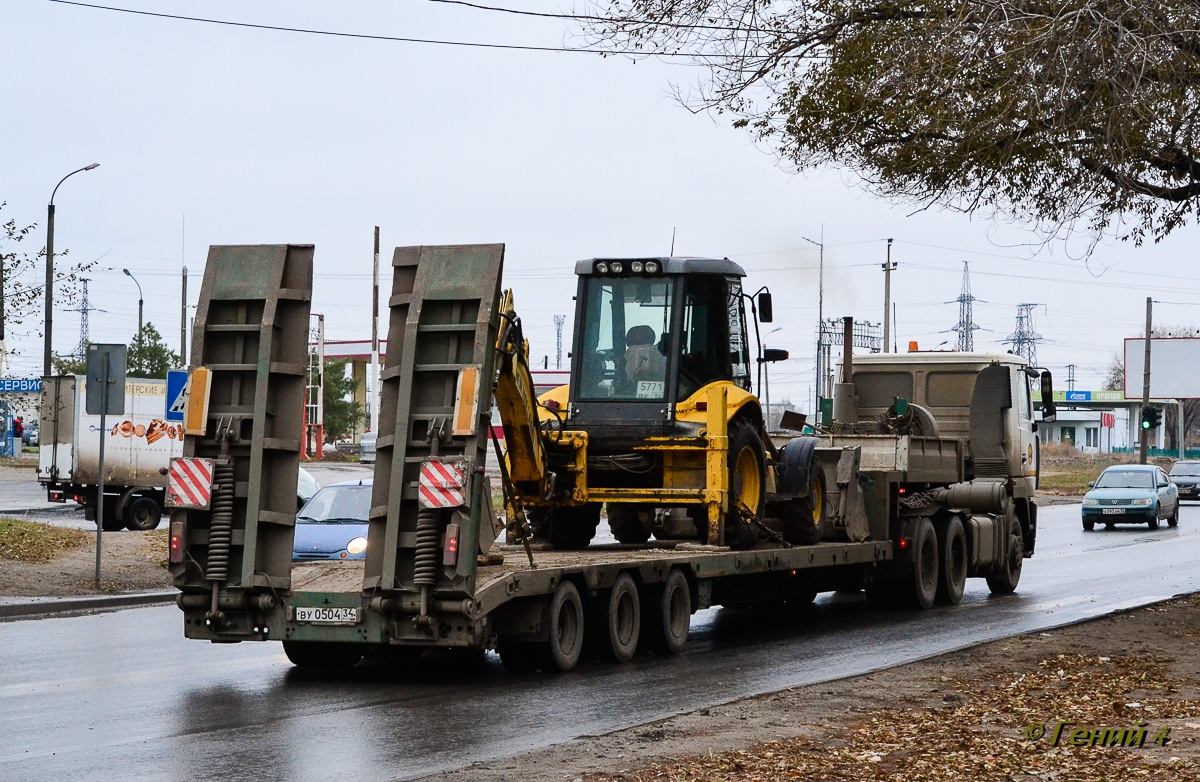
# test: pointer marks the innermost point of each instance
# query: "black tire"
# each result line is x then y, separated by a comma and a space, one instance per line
920, 588
1006, 576
1153, 523
747, 483
1173, 519
323, 655
562, 649
802, 518
628, 522
143, 514
622, 621
667, 614
952, 556
1090, 524
572, 528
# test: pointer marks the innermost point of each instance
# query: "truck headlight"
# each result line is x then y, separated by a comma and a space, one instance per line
357, 546
1141, 502
1090, 503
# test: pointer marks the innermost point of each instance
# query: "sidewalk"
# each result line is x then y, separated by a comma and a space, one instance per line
20, 492
41, 607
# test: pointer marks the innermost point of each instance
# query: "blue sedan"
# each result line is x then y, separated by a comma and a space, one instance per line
333, 524
1131, 494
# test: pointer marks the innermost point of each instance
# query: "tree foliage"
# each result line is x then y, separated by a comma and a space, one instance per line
149, 356
1060, 114
342, 416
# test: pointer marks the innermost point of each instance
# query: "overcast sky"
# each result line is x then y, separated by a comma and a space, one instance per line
258, 136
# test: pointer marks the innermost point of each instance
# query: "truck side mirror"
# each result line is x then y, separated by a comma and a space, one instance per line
765, 313
1049, 411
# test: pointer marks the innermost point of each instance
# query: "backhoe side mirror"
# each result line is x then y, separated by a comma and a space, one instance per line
765, 312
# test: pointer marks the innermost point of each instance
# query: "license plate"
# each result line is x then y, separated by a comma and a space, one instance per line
318, 615
1107, 511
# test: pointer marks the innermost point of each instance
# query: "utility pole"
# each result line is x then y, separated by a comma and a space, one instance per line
375, 339
888, 268
820, 384
559, 322
1070, 377
183, 302
1146, 384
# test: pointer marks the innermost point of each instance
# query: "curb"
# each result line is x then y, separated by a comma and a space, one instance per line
56, 508
50, 607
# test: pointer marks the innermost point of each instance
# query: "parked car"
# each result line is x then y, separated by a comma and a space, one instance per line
1186, 475
333, 524
31, 434
306, 487
1131, 494
366, 454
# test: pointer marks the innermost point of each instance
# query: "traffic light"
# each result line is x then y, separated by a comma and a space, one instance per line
1151, 417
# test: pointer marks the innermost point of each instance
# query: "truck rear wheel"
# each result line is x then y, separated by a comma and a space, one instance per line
143, 514
621, 615
667, 614
922, 585
323, 655
747, 483
1003, 580
952, 578
561, 650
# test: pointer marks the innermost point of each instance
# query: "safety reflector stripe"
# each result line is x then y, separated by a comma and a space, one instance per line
441, 484
189, 483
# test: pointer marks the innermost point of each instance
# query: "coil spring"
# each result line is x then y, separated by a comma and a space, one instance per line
220, 531
425, 560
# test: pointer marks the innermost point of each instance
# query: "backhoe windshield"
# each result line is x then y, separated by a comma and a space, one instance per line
626, 338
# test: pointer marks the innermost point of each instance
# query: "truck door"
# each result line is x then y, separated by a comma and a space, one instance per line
1024, 468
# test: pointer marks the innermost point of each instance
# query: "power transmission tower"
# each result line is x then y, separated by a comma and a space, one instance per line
83, 309
559, 320
1024, 339
965, 328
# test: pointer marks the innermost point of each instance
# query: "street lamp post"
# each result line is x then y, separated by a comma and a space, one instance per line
767, 378
135, 282
50, 267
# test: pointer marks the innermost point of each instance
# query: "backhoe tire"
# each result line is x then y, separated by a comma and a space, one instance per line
1004, 579
329, 656
952, 550
747, 483
802, 518
628, 522
571, 528
143, 514
667, 614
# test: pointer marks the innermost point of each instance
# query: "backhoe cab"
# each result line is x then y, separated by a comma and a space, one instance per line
658, 421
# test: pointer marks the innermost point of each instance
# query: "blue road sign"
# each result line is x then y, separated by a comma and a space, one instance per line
25, 384
176, 394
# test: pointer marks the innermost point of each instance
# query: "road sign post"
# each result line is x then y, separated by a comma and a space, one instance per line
105, 394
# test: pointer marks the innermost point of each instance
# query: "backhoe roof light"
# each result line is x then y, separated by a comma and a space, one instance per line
602, 267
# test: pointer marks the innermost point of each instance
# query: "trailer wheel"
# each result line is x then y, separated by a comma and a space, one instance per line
747, 483
1003, 580
622, 617
560, 652
952, 579
627, 523
143, 514
324, 655
921, 589
667, 614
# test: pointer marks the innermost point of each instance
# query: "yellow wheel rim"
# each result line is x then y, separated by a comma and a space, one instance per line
818, 501
749, 489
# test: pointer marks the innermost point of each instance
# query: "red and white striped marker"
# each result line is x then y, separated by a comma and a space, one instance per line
189, 483
441, 484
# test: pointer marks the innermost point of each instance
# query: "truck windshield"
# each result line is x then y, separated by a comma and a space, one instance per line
626, 337
1126, 479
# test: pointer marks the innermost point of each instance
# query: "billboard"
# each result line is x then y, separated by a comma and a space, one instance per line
1173, 363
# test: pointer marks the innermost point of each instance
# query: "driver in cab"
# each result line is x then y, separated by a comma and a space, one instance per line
643, 360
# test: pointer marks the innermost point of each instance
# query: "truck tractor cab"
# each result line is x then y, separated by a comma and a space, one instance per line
650, 335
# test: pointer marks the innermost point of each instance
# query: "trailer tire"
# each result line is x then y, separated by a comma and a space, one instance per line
952, 578
922, 584
143, 514
561, 650
324, 655
622, 621
667, 614
1004, 579
747, 483
625, 521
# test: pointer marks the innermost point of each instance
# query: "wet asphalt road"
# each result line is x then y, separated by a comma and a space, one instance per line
123, 696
